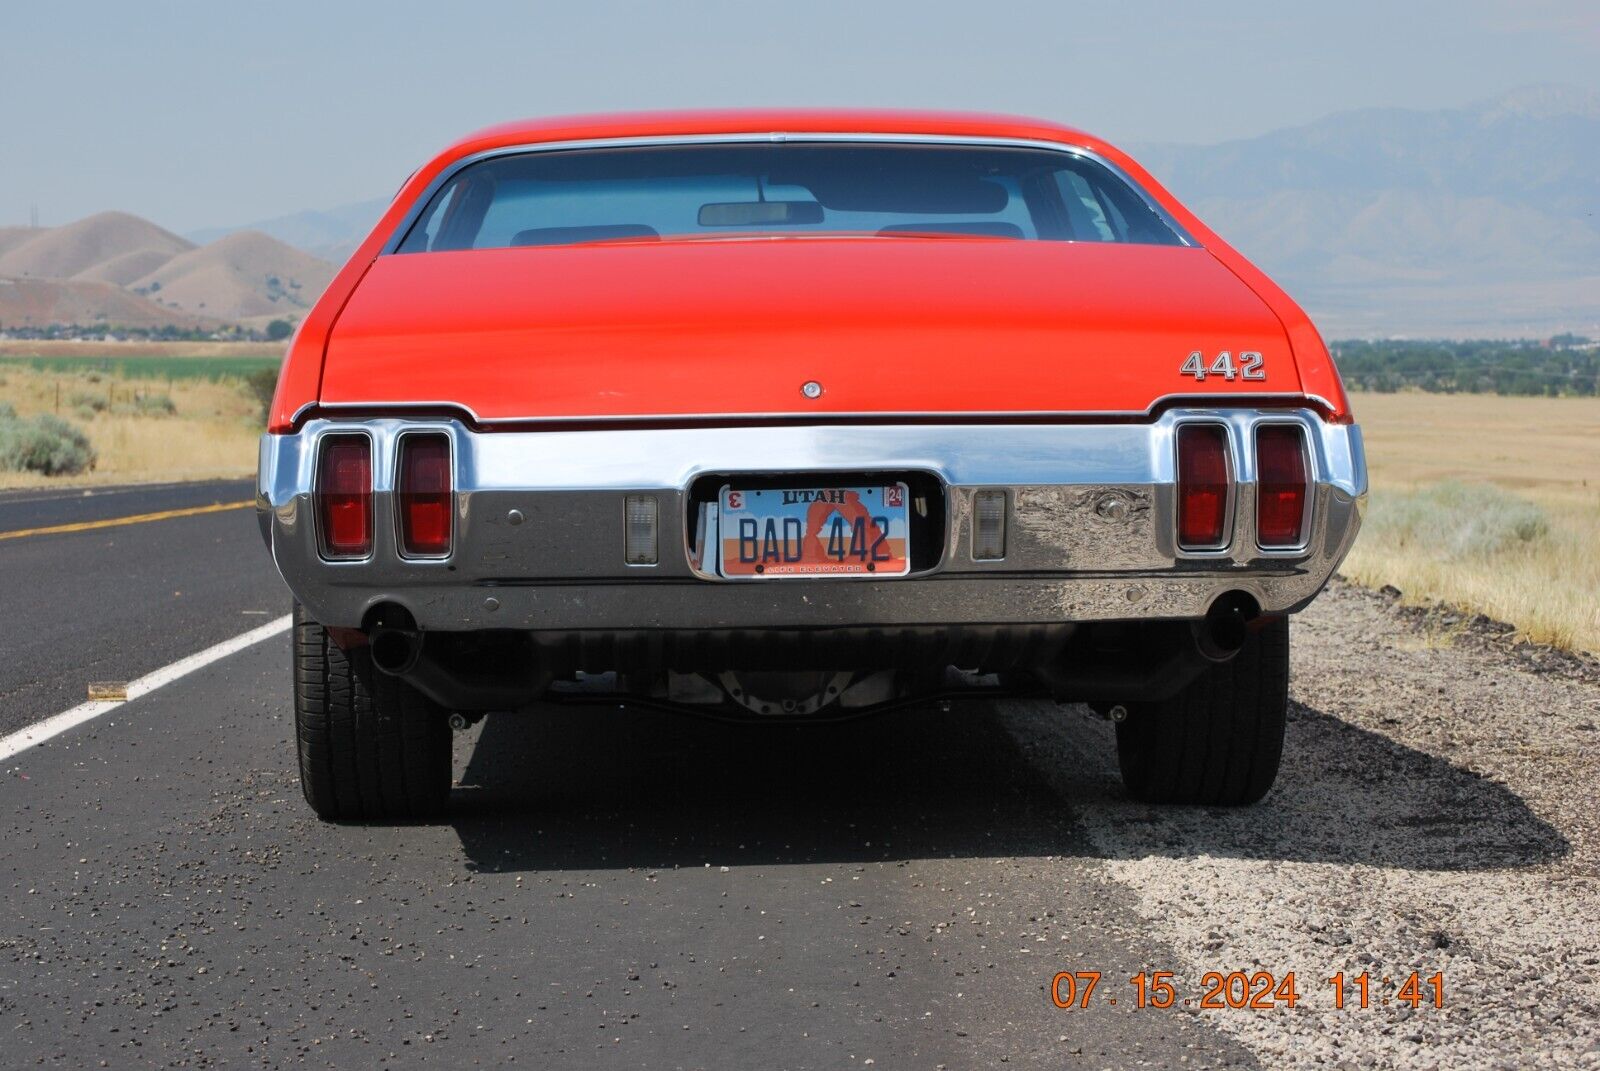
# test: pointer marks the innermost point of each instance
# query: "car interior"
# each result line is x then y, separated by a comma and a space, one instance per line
715, 191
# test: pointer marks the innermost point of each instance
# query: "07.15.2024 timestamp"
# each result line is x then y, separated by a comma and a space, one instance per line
1254, 990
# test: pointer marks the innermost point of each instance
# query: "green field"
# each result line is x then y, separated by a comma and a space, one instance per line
165, 368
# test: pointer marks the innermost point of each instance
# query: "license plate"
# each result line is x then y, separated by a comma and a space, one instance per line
814, 531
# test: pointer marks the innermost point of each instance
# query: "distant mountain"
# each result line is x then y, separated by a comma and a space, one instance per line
83, 303
89, 244
332, 234
240, 277
10, 237
1482, 221
1473, 221
120, 270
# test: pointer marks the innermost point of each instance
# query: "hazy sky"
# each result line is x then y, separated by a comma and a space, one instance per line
214, 113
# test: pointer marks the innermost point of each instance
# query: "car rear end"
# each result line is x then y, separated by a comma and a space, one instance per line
813, 425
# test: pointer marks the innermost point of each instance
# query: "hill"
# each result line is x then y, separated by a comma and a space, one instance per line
81, 247
1469, 222
135, 273
83, 303
11, 237
331, 234
126, 269
242, 276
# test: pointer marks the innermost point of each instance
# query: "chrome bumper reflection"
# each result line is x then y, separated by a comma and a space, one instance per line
539, 525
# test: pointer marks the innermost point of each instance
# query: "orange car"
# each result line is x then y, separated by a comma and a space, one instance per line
799, 414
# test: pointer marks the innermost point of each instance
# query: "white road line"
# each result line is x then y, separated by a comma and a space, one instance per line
39, 732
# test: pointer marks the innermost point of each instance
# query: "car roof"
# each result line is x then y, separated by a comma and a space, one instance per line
766, 121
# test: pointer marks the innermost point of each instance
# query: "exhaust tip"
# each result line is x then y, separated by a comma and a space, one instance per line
395, 651
1226, 626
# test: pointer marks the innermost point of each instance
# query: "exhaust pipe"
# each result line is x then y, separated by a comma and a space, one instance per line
401, 652
1150, 660
395, 651
1226, 626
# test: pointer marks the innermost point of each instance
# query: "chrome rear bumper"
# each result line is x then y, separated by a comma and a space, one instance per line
539, 525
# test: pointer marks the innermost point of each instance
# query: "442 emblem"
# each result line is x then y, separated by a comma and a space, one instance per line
1248, 367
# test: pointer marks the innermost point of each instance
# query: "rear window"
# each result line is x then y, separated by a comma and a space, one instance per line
650, 193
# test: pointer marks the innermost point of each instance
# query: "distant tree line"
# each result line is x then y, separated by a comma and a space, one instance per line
275, 331
1559, 366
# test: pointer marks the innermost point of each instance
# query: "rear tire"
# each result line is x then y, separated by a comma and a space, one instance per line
370, 746
1218, 742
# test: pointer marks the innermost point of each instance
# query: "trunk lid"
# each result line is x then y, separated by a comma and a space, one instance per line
735, 328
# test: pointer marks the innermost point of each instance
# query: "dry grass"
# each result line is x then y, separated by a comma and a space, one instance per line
212, 432
1488, 503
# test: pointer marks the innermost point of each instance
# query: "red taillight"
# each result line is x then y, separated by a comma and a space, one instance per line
344, 496
1280, 485
1202, 486
425, 495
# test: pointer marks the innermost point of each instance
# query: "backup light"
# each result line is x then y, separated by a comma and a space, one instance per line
344, 497
1202, 486
640, 542
427, 497
989, 526
1280, 486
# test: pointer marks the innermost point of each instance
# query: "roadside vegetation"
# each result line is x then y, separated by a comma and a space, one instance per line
1490, 504
42, 444
260, 385
138, 418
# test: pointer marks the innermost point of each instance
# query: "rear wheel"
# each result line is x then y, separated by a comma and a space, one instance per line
370, 745
1219, 740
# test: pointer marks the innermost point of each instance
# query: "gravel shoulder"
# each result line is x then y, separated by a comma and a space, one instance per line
1436, 812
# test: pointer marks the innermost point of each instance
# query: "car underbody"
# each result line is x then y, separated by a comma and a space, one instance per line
804, 674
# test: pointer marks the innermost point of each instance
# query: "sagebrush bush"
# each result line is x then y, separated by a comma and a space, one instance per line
261, 385
1455, 521
158, 405
7, 410
154, 405
82, 399
44, 444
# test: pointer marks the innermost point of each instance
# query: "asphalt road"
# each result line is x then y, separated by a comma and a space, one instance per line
615, 889
619, 889
114, 603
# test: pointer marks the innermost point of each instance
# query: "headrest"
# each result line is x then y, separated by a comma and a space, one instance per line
573, 235
977, 227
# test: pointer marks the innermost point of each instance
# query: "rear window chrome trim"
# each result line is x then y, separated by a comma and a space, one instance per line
414, 213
